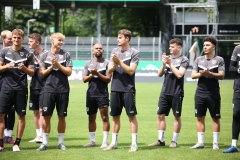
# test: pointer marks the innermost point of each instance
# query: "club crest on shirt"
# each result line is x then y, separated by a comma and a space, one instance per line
214, 62
60, 57
21, 53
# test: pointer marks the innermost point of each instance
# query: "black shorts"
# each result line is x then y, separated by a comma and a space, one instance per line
236, 103
18, 99
123, 99
36, 98
212, 102
166, 102
51, 99
93, 103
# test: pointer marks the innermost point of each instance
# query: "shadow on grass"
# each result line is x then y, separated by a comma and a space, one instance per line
55, 138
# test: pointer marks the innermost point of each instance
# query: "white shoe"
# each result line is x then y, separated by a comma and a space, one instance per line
90, 144
104, 144
215, 146
38, 139
34, 140
16, 148
198, 145
111, 146
133, 148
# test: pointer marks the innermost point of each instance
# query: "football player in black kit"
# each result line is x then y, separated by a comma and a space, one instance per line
97, 75
16, 62
174, 68
55, 67
208, 69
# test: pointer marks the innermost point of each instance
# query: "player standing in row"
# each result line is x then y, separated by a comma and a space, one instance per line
171, 97
235, 68
9, 119
16, 62
208, 69
123, 64
55, 67
36, 85
97, 76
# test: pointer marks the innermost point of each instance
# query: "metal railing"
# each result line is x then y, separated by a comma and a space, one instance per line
150, 48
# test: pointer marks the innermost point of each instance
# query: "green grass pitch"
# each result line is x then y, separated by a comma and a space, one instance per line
146, 98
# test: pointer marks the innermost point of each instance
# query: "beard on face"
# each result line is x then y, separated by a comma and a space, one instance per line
98, 55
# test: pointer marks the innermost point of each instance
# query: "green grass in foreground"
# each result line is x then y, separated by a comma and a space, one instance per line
147, 98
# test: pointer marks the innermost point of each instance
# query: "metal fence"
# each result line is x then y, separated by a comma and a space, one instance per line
80, 48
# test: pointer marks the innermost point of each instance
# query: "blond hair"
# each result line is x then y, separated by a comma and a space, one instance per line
57, 35
5, 33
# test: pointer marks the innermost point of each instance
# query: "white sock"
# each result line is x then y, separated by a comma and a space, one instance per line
5, 132
38, 132
41, 132
200, 137
105, 136
60, 138
134, 138
45, 138
234, 142
175, 136
114, 138
92, 136
161, 135
216, 137
9, 133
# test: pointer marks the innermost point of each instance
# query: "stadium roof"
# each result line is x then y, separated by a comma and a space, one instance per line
83, 3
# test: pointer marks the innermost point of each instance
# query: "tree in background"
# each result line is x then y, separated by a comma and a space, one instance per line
44, 20
142, 22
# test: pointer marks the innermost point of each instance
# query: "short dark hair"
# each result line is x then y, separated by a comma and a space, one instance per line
36, 36
210, 39
178, 41
126, 33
